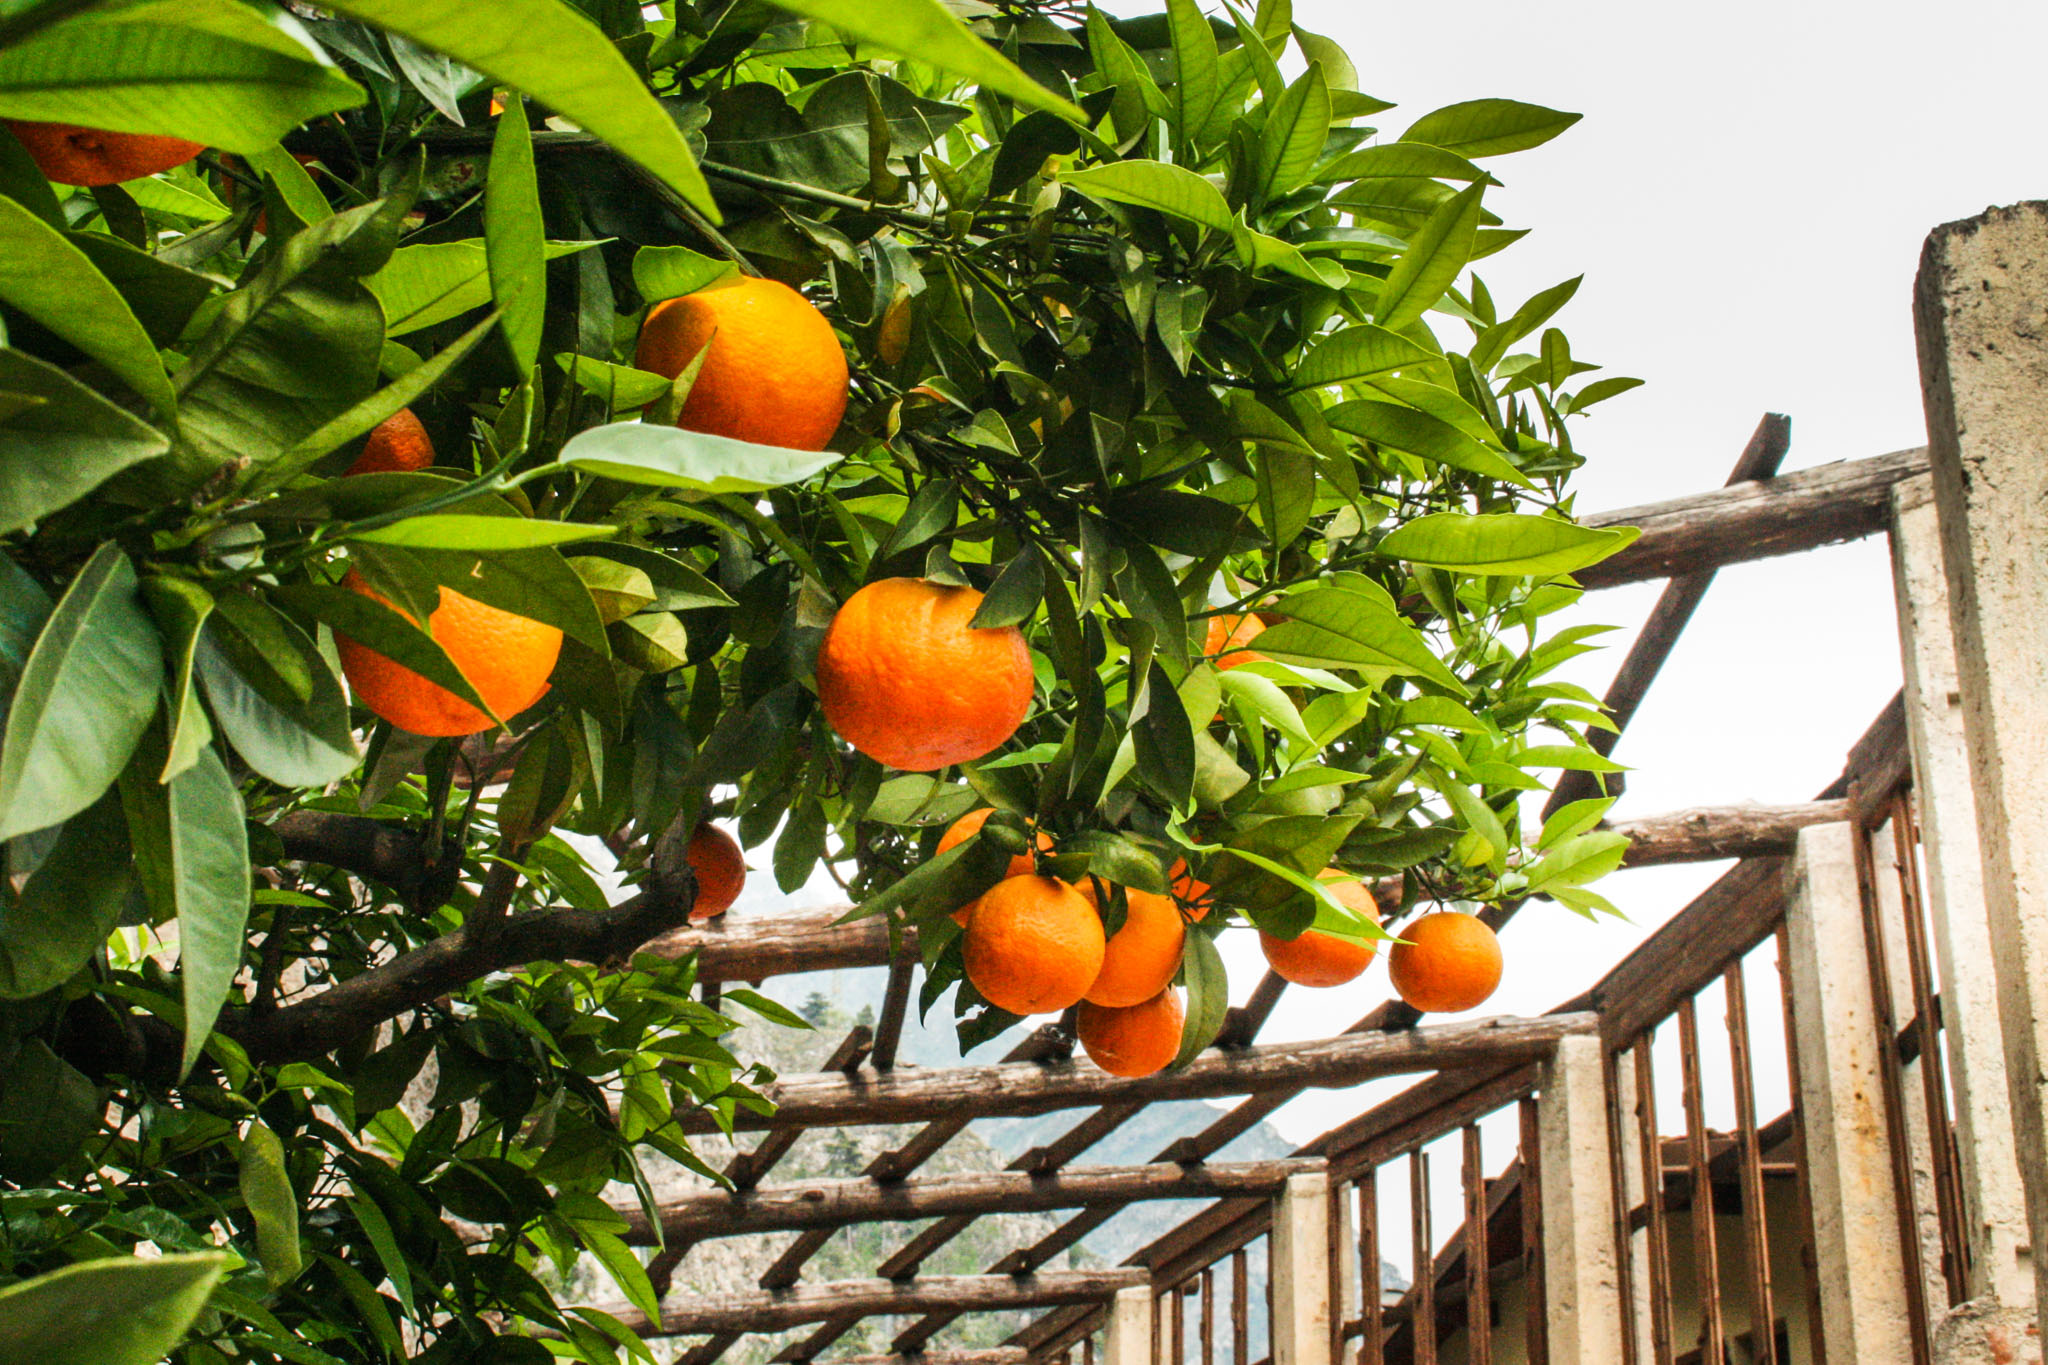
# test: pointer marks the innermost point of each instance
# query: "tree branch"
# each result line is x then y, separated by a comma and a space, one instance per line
391, 855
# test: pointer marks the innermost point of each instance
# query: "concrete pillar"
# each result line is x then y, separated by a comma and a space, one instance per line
1624, 1120
1127, 1340
1300, 1253
1994, 1204
1981, 313
1581, 1275
1855, 1212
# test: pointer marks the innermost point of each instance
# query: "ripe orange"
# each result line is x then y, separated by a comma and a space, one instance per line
1033, 945
1141, 956
1136, 1040
71, 155
398, 444
1194, 894
775, 375
506, 657
714, 856
1320, 959
1228, 635
969, 825
1449, 961
905, 680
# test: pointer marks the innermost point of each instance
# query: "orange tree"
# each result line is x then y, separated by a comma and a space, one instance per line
1119, 407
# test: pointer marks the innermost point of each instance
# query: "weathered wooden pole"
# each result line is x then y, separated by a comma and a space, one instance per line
776, 1310
1981, 312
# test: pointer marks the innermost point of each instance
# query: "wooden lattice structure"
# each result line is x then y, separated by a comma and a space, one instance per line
1860, 1220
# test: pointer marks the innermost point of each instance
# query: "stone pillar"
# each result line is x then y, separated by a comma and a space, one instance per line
1580, 1273
1127, 1340
1861, 1268
1625, 1118
1981, 312
1993, 1202
1299, 1251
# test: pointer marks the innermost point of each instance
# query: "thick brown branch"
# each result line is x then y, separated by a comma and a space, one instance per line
373, 850
776, 1310
1016, 1088
831, 1203
1711, 832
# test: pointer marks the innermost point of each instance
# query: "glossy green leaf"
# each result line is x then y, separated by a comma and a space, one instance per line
294, 743
1355, 353
435, 281
87, 693
267, 1189
160, 194
180, 608
1196, 82
1208, 996
1478, 817
1395, 160
513, 239
294, 183
1489, 127
671, 457
1013, 598
621, 385
1335, 628
553, 53
924, 31
1155, 185
69, 904
667, 272
1569, 756
60, 449
1493, 343
1404, 428
463, 531
118, 1311
1292, 141
678, 586
48, 278
1437, 254
24, 606
211, 71
1503, 543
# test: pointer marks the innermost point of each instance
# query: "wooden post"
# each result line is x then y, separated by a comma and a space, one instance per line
1993, 1198
1862, 1269
1128, 1336
1582, 1281
1300, 1251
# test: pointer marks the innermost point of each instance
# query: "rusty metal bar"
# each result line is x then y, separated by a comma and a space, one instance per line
1816, 1345
1536, 1291
1478, 1255
1372, 1327
1763, 1317
1948, 1188
1706, 1250
1422, 1295
1652, 1150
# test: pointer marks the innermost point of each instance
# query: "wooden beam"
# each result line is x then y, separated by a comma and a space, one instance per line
832, 1203
1709, 832
824, 1100
1802, 510
987, 1355
777, 1310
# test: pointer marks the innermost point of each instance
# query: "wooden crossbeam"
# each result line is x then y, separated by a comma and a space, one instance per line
831, 1203
831, 1100
777, 1310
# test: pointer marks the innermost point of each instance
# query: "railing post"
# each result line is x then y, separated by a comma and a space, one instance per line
1300, 1254
1582, 1279
1994, 1205
1984, 378
1861, 1267
1128, 1337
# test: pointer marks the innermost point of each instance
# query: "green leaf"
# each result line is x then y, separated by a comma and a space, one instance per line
625, 1269
1489, 127
158, 194
1155, 185
58, 450
1493, 343
294, 184
1504, 544
1208, 1002
211, 71
1574, 757
1400, 160
1479, 817
69, 905
1580, 859
1355, 353
1573, 818
553, 53
1600, 390
1014, 596
292, 741
1417, 432
48, 1111
1436, 256
1292, 141
48, 278
24, 606
678, 586
1196, 82
513, 238
267, 1189
671, 457
192, 848
85, 697
463, 531
668, 272
435, 281
1335, 628
620, 385
180, 608
117, 1311
924, 31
